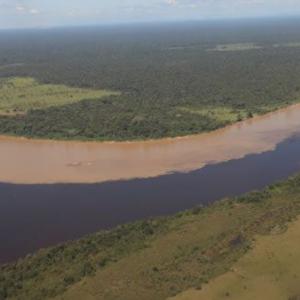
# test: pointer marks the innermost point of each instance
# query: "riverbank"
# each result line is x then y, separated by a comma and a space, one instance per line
135, 261
46, 161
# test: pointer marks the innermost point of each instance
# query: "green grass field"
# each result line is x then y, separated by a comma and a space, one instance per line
223, 115
236, 47
19, 95
164, 257
270, 271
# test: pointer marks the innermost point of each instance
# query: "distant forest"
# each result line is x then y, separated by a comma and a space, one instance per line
174, 79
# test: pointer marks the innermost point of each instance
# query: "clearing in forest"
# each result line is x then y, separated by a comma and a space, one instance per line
21, 94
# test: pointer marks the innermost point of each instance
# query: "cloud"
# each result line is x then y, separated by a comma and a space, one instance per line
34, 11
26, 13
26, 9
20, 8
171, 2
17, 7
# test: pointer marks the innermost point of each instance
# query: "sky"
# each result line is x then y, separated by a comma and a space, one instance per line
52, 13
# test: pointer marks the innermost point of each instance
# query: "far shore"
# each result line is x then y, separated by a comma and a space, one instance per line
150, 140
36, 161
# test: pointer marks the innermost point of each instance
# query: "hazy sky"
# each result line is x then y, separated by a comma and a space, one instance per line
41, 13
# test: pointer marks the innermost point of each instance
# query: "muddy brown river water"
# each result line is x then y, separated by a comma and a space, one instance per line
36, 161
87, 195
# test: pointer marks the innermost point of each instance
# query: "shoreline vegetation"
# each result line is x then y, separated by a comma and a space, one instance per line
33, 99
150, 259
254, 118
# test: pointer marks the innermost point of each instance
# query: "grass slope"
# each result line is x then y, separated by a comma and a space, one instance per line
154, 259
19, 95
270, 271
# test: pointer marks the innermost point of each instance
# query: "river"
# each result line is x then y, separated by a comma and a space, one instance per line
35, 212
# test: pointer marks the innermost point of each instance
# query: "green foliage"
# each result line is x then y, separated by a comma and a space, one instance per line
254, 197
19, 95
170, 84
57, 268
162, 256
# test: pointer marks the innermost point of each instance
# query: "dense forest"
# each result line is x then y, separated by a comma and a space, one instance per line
173, 79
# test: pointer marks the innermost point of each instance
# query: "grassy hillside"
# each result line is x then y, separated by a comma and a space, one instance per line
161, 258
19, 95
174, 79
270, 271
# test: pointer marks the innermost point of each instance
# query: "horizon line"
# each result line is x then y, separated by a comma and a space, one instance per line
153, 22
